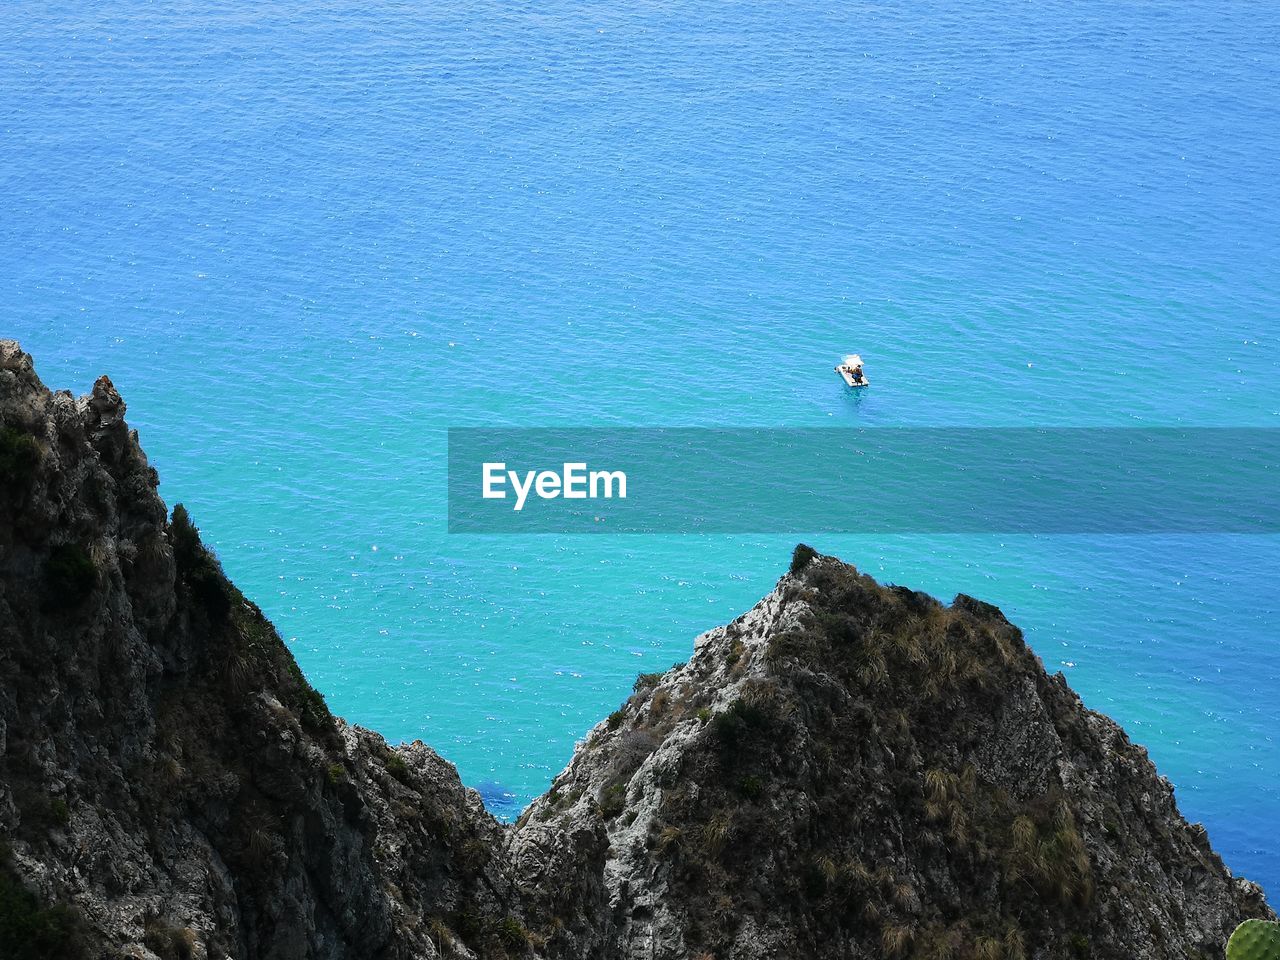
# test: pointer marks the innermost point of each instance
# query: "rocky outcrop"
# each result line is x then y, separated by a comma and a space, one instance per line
854, 770
165, 769
848, 770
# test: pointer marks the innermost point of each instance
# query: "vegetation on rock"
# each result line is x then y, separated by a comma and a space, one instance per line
70, 577
30, 931
19, 455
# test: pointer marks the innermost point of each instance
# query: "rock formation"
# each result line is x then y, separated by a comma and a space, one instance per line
853, 770
847, 770
165, 769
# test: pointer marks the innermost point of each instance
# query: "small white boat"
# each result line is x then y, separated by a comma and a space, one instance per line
850, 370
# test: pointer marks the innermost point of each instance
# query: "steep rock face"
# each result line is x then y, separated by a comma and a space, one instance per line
164, 767
847, 770
852, 770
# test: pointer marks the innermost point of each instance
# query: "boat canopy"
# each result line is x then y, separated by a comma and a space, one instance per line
853, 360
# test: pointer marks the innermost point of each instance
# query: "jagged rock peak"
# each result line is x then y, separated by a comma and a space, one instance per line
170, 784
857, 770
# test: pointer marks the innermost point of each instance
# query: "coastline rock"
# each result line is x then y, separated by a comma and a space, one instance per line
854, 770
167, 774
847, 770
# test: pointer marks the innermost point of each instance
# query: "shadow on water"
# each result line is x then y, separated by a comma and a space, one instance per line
498, 800
853, 397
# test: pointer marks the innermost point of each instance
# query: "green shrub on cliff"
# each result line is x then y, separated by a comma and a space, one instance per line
69, 576
801, 557
198, 567
19, 455
646, 681
734, 726
512, 935
309, 702
29, 931
613, 800
397, 767
59, 812
168, 941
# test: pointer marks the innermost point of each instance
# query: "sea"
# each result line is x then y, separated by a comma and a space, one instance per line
306, 239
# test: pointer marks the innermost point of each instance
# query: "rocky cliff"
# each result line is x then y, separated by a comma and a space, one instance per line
166, 772
848, 770
854, 770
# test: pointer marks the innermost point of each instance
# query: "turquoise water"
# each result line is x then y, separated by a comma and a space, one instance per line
305, 239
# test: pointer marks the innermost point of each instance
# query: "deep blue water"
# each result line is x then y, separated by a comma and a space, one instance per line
306, 238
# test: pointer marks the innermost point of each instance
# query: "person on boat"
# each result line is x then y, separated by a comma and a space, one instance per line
857, 374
